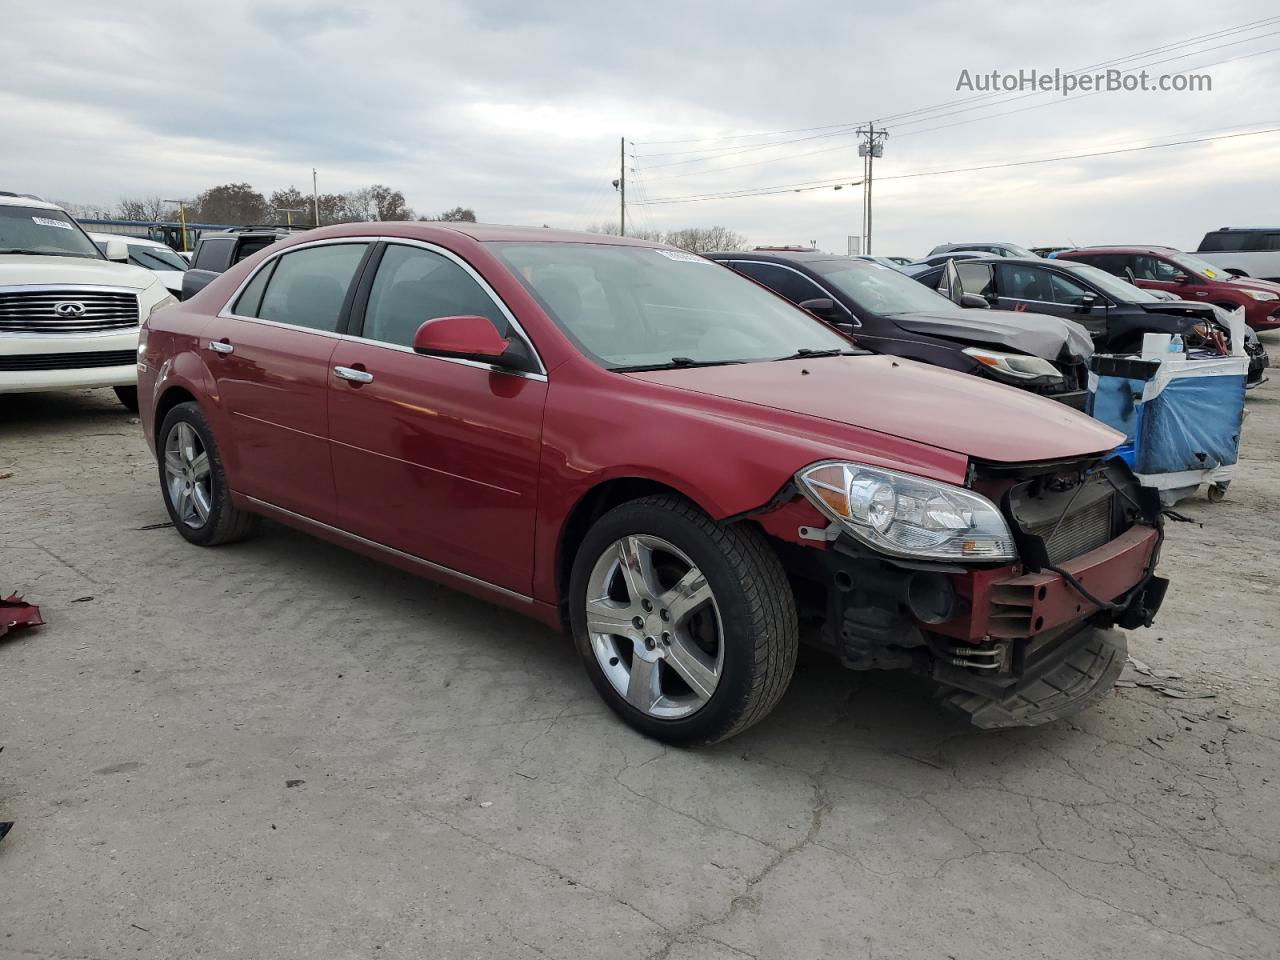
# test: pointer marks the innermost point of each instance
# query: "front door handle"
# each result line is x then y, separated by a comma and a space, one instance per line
221, 346
355, 376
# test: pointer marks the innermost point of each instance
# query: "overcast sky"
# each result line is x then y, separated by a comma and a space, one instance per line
516, 107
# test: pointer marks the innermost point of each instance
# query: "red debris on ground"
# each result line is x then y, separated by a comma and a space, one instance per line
16, 613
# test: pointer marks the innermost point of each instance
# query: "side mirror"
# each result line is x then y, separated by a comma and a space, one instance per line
471, 337
974, 300
1086, 303
1180, 278
117, 251
193, 281
819, 306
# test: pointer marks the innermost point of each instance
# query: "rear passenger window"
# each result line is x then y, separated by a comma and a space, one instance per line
306, 288
250, 301
788, 283
1231, 241
214, 255
413, 286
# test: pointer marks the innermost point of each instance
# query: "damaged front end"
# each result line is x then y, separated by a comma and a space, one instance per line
1013, 614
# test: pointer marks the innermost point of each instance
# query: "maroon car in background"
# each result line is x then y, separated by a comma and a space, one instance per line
683, 469
1189, 277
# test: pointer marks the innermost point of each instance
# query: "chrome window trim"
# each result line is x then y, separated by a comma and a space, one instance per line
540, 375
412, 558
836, 300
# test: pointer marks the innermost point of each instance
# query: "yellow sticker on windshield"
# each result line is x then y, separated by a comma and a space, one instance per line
1210, 274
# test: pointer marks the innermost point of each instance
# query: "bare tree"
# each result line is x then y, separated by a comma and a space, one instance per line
706, 239
458, 215
610, 229
147, 209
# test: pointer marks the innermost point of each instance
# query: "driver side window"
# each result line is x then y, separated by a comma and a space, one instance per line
1066, 291
413, 286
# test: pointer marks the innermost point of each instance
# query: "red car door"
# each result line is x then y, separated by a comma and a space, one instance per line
434, 457
269, 356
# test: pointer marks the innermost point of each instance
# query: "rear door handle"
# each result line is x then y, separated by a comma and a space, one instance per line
355, 376
219, 346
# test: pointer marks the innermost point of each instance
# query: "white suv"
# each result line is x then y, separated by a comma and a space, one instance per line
69, 316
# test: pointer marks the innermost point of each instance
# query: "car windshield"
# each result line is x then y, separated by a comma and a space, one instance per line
880, 289
155, 258
33, 230
1013, 250
630, 307
1119, 290
1194, 265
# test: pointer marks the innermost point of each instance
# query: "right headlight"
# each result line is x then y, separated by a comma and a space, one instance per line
908, 516
1017, 365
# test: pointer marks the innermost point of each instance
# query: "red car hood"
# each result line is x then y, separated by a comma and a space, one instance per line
901, 398
1248, 283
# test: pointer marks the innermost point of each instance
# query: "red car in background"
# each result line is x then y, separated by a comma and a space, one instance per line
679, 466
1189, 277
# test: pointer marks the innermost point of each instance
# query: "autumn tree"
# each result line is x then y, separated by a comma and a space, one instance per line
233, 203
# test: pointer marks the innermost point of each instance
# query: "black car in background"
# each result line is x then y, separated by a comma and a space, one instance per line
217, 252
1115, 312
888, 312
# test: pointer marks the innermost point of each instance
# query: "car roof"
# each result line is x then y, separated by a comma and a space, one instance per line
1131, 248
1245, 230
143, 241
482, 232
781, 256
21, 200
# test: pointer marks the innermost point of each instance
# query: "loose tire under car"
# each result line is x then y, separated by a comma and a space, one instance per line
194, 483
687, 627
1071, 684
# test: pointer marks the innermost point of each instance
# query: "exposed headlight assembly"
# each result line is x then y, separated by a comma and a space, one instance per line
1262, 295
1017, 365
908, 516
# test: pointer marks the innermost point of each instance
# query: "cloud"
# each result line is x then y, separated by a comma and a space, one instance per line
516, 107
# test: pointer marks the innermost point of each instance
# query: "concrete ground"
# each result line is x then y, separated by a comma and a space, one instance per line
278, 750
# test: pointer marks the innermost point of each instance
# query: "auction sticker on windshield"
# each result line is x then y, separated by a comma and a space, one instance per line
46, 222
682, 256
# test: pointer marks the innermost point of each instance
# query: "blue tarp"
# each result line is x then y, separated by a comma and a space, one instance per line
1193, 424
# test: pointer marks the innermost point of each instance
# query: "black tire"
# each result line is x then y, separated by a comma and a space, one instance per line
128, 396
1072, 683
756, 606
225, 523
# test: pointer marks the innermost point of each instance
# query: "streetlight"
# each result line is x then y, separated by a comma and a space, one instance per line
182, 218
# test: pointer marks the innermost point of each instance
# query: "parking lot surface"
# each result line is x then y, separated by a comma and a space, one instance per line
278, 749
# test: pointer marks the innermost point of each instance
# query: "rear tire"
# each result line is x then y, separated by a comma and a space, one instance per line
713, 636
193, 481
128, 396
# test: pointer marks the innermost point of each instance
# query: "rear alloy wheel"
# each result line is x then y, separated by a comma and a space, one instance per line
194, 483
687, 627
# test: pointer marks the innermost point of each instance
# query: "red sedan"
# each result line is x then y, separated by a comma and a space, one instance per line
1189, 277
680, 467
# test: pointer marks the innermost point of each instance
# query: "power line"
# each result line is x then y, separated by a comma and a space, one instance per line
1083, 96
767, 191
1214, 35
723, 151
1217, 34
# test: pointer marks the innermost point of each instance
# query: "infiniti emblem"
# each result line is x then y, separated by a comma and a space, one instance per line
69, 308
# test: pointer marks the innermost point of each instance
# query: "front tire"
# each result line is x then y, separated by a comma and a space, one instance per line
128, 396
193, 481
686, 627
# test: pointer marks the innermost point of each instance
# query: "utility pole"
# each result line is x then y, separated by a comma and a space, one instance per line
871, 147
315, 197
622, 186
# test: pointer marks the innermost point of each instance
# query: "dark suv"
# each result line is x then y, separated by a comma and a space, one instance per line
1188, 277
1116, 313
888, 312
215, 253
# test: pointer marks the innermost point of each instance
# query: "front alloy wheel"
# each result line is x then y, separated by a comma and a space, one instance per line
194, 481
687, 627
654, 626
